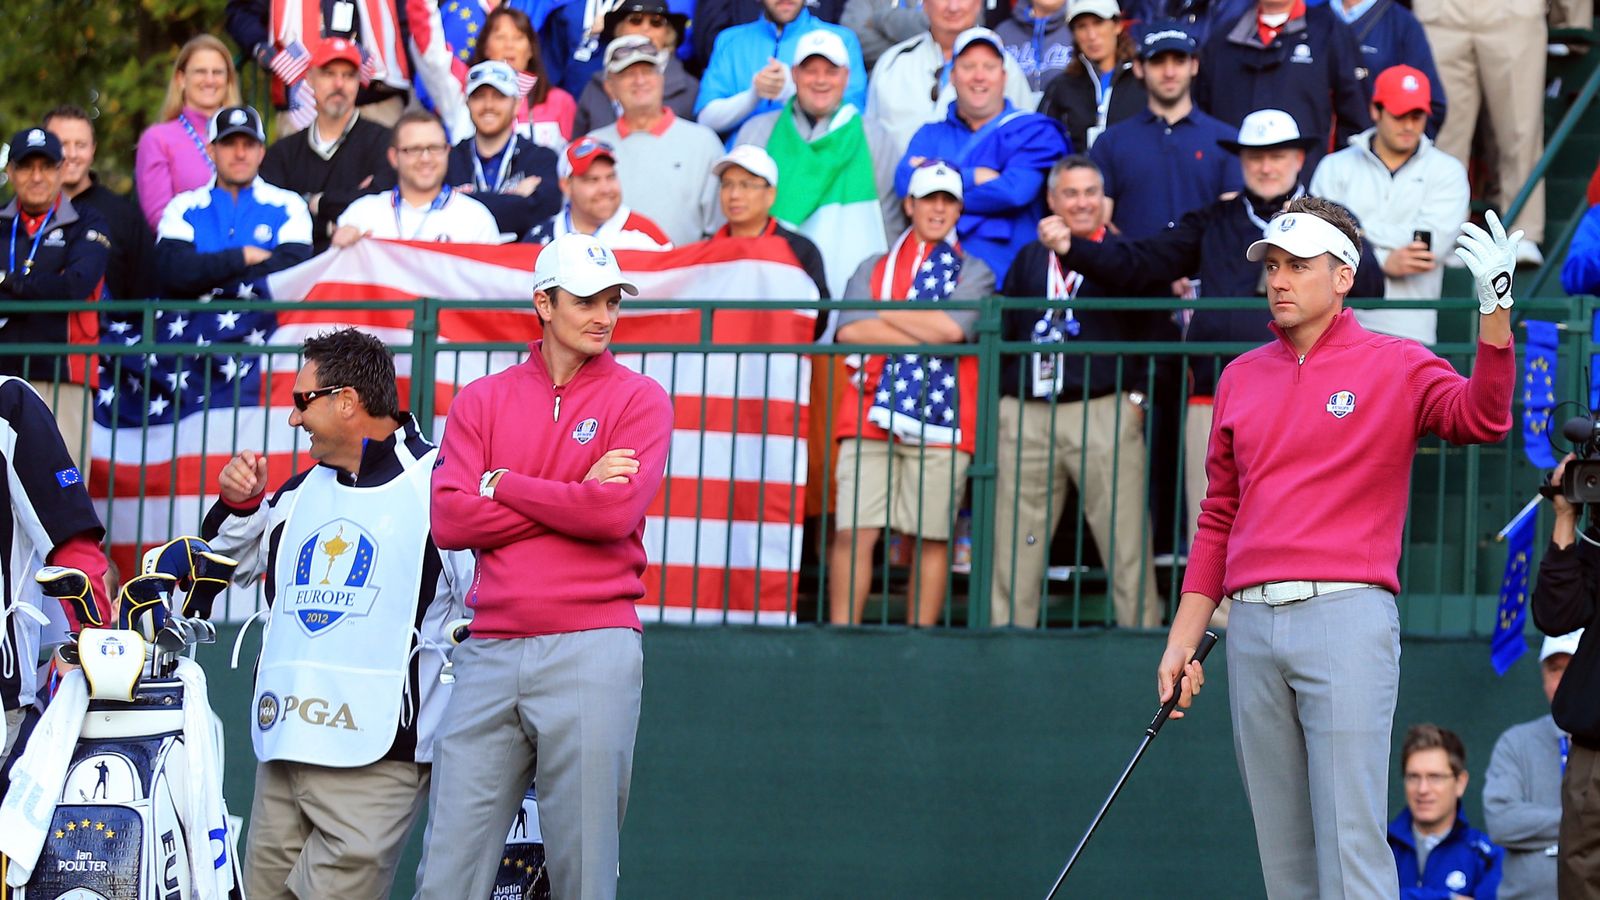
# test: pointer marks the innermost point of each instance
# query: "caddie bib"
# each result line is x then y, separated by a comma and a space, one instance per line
331, 679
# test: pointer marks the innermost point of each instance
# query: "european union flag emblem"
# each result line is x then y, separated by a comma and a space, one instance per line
68, 477
1508, 643
1538, 391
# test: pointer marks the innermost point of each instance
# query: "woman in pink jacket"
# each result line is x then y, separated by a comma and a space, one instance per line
172, 156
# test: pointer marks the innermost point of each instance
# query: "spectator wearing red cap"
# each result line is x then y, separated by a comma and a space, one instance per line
1410, 197
1389, 35
421, 207
340, 156
588, 171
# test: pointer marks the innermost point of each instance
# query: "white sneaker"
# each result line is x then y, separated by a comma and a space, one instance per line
1528, 253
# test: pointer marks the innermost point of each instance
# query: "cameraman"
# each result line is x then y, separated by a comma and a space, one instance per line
1566, 598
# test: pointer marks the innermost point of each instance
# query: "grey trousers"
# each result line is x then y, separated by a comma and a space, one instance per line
1312, 689
560, 711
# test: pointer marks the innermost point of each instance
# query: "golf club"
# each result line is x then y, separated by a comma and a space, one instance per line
1207, 641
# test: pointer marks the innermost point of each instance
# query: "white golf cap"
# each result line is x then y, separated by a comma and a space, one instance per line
1306, 236
1566, 643
974, 35
824, 43
1105, 9
1267, 128
934, 178
579, 265
630, 49
492, 73
750, 158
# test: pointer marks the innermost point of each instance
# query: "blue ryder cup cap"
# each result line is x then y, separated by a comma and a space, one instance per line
34, 142
232, 120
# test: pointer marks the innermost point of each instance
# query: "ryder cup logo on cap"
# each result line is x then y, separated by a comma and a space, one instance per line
1401, 90
631, 49
36, 137
1342, 404
494, 74
232, 120
1306, 236
824, 43
935, 177
579, 265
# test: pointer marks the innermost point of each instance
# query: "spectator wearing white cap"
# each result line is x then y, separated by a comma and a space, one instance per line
749, 71
904, 451
1099, 87
1522, 788
838, 184
747, 186
513, 177
1566, 598
594, 206
1001, 152
340, 156
546, 472
1331, 415
653, 19
1037, 37
1410, 196
421, 207
911, 85
663, 160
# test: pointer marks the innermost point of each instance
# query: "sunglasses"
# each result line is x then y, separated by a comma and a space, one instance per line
304, 399
588, 147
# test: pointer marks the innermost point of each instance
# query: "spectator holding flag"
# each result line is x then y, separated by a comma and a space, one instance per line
172, 155
1002, 153
907, 424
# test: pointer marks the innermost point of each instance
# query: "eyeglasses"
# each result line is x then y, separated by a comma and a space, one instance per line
1434, 779
304, 399
422, 151
654, 20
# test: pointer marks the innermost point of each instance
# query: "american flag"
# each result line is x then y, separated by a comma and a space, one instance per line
917, 397
291, 62
723, 535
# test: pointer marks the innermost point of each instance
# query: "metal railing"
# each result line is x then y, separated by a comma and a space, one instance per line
749, 547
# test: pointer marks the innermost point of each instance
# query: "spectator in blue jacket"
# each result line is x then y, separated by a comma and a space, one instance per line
1439, 856
747, 75
1281, 54
1003, 153
1197, 17
1388, 35
1580, 274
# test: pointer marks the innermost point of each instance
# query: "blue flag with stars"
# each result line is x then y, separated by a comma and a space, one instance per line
1511, 619
1539, 392
162, 388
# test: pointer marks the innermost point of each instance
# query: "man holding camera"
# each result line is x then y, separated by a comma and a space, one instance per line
1564, 600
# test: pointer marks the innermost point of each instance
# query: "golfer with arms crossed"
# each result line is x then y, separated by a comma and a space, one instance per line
1310, 468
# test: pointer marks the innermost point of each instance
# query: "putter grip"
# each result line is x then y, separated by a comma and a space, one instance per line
1207, 641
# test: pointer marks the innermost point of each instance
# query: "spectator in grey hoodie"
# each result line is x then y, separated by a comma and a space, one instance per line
880, 24
1522, 789
1037, 37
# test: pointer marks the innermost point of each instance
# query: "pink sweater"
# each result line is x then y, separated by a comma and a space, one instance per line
1298, 491
556, 554
167, 163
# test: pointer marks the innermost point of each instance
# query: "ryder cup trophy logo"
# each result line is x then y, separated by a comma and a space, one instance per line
332, 574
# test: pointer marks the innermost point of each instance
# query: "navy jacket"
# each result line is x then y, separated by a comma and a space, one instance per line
1198, 17
1389, 35
1070, 98
1210, 241
514, 214
1310, 71
1028, 277
1464, 863
68, 264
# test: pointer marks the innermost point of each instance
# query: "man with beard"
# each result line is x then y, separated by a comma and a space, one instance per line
513, 177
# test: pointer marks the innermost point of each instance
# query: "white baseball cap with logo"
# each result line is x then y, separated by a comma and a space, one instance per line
752, 159
579, 265
1565, 643
1307, 236
492, 73
935, 178
824, 43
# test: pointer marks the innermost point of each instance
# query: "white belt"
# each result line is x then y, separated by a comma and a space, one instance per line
1277, 593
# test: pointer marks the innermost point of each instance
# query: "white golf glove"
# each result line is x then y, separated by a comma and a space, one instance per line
1490, 256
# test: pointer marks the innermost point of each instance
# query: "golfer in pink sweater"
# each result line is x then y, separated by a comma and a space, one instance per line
1309, 470
546, 470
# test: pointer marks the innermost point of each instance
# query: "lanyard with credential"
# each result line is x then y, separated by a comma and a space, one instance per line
478, 178
198, 144
437, 204
27, 264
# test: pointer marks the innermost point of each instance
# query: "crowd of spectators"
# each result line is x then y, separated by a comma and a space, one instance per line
1077, 148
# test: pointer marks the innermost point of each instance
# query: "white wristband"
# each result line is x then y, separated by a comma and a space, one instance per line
485, 486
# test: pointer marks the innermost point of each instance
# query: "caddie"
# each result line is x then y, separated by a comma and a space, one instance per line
1309, 470
348, 686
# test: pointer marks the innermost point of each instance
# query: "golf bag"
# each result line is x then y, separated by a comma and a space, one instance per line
146, 759
522, 874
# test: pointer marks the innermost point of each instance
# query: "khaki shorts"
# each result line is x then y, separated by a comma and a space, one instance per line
932, 478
